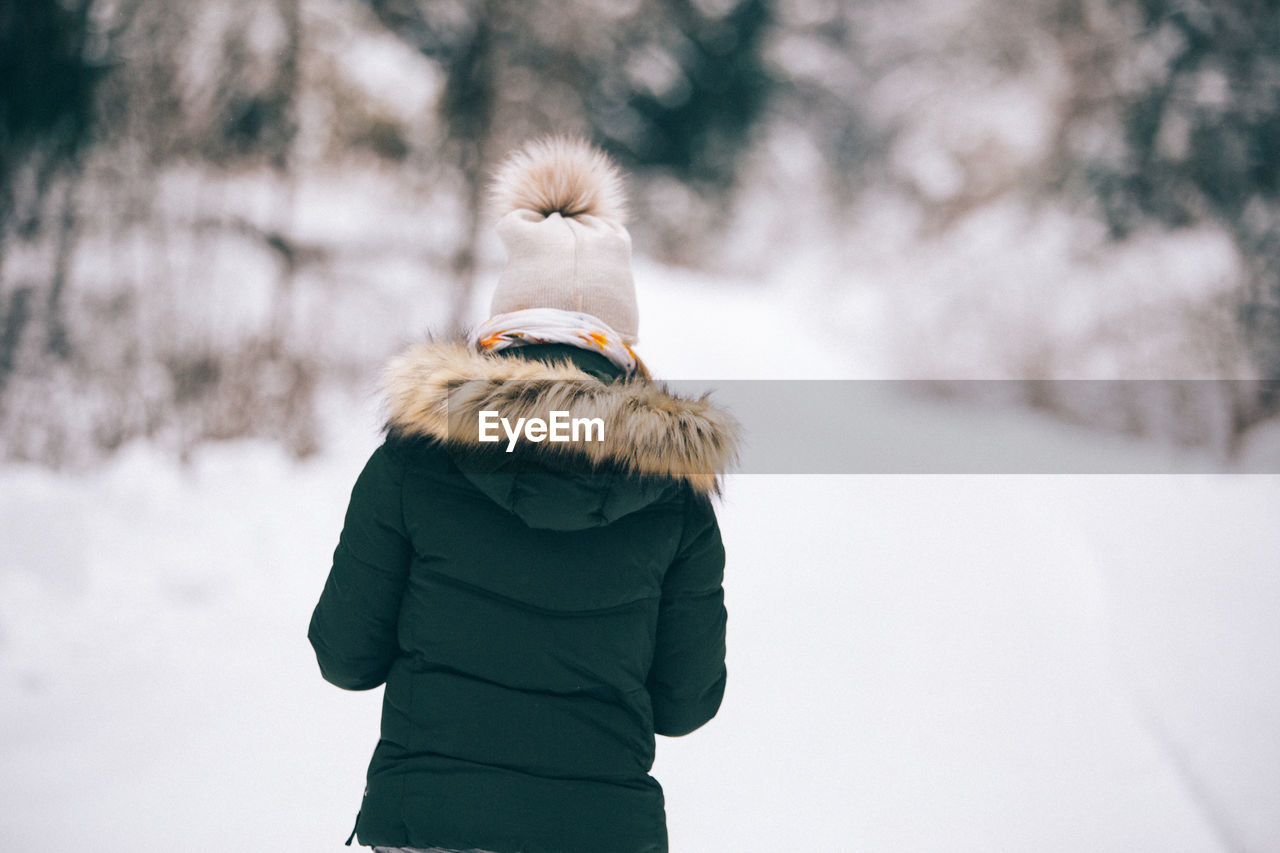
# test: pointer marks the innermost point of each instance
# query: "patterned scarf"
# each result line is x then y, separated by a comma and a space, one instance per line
555, 326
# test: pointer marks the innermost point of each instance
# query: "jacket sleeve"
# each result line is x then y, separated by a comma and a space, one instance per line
686, 680
353, 627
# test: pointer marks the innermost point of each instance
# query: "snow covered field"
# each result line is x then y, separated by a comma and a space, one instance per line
1084, 663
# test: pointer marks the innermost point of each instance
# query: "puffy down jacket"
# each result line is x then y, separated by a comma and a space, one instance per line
536, 615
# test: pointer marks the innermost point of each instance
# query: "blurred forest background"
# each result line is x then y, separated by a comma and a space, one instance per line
211, 211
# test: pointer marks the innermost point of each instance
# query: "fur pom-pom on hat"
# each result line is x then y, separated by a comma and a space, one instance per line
561, 206
560, 175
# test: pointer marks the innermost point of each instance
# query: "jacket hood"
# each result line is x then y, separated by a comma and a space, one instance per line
652, 441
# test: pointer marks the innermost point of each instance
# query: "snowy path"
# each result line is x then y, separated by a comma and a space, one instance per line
932, 664
916, 663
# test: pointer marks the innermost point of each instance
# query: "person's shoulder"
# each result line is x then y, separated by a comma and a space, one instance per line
415, 452
697, 502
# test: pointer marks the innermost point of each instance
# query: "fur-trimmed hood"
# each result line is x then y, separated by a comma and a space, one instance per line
438, 390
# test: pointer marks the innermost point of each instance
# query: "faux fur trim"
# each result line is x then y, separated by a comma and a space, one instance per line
438, 389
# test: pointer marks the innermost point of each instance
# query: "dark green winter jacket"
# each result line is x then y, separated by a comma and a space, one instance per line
537, 616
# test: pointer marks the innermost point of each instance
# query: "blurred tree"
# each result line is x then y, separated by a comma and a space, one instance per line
671, 86
101, 99
1194, 87
46, 91
47, 85
822, 70
150, 135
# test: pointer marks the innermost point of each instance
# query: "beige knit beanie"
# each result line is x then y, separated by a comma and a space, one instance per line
562, 210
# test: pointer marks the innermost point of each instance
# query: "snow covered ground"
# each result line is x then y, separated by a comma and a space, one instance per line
922, 663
